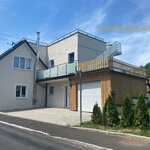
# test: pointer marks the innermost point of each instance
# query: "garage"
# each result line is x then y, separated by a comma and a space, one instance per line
91, 93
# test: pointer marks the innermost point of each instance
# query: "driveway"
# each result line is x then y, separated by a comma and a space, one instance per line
59, 116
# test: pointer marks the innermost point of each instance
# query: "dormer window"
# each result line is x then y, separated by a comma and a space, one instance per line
71, 57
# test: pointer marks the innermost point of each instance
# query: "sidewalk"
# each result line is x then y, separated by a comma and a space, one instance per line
92, 137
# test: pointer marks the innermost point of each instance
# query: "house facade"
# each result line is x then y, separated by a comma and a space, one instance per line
77, 62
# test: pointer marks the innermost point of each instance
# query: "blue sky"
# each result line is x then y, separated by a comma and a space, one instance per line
55, 18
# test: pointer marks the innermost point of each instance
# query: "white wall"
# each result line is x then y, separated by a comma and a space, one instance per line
59, 51
9, 77
58, 99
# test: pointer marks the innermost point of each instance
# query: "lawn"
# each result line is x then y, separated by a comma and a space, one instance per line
131, 130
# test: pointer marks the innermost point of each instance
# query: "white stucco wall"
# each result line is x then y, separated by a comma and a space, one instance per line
10, 77
58, 99
59, 51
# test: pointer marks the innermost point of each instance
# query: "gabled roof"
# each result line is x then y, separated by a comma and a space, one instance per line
16, 46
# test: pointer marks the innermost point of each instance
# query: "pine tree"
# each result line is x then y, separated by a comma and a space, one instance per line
96, 115
126, 113
111, 112
104, 113
141, 118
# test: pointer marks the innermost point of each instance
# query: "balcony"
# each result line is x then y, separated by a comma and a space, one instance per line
57, 71
93, 65
111, 64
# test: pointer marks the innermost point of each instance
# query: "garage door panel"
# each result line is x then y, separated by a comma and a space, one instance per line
91, 93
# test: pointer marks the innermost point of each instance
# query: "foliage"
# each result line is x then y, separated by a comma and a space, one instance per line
104, 114
141, 117
147, 67
126, 113
111, 114
96, 114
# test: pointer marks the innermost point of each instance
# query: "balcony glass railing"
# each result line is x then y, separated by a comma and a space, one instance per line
57, 71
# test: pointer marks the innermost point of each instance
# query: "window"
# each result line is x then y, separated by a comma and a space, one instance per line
28, 63
51, 90
71, 57
16, 62
51, 63
22, 63
21, 91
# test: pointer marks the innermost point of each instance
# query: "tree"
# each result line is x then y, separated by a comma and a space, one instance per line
141, 117
126, 113
111, 112
147, 67
96, 115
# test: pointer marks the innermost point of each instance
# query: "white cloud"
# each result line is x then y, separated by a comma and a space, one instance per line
91, 21
135, 47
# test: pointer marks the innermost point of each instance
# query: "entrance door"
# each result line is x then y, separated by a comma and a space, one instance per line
66, 97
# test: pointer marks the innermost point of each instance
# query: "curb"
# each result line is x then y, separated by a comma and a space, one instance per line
115, 133
72, 141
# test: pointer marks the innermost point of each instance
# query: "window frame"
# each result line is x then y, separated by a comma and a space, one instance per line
49, 91
69, 57
21, 95
50, 63
25, 63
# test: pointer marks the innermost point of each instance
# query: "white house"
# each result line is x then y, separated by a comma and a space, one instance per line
57, 78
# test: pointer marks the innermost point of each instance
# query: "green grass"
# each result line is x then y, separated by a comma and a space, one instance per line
118, 128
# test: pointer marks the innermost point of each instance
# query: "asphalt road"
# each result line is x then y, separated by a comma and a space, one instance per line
116, 142
16, 139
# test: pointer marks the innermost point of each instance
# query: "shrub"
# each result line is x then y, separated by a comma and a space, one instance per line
141, 117
104, 119
96, 115
111, 114
126, 113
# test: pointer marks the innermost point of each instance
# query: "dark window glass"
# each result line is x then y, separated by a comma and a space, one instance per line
51, 90
51, 65
18, 91
71, 57
23, 93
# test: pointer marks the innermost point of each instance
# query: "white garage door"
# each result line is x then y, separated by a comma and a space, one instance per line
91, 93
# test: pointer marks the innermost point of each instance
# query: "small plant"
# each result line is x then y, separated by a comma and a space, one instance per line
141, 117
96, 115
111, 114
126, 113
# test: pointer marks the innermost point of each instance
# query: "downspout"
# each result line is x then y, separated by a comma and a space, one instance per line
46, 96
35, 70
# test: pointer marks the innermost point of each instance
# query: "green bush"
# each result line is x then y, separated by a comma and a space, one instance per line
148, 109
126, 113
96, 115
141, 117
104, 119
111, 114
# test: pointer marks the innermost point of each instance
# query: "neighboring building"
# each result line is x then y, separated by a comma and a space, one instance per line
58, 80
